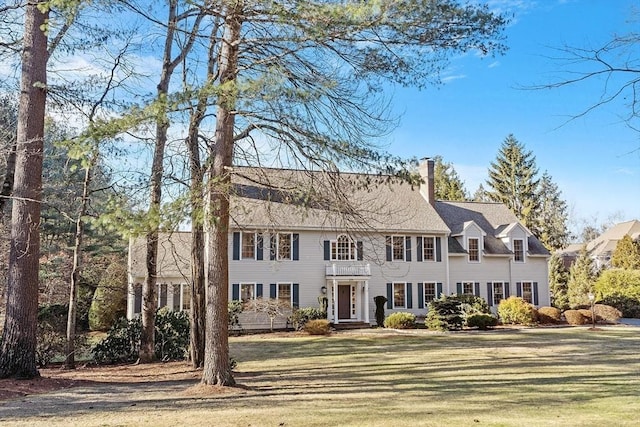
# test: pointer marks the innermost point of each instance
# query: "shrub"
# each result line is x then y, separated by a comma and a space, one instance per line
122, 343
629, 307
235, 308
574, 317
481, 321
317, 327
301, 316
110, 298
516, 311
445, 314
380, 302
549, 315
51, 334
471, 304
586, 313
400, 320
607, 313
619, 282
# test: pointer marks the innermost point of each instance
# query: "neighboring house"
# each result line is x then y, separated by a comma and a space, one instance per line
358, 237
601, 248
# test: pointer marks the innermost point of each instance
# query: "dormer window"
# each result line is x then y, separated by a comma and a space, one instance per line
474, 249
518, 250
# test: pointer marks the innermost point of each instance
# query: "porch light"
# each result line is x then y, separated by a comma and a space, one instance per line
592, 299
323, 290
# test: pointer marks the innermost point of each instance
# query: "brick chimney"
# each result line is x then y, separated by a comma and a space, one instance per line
426, 170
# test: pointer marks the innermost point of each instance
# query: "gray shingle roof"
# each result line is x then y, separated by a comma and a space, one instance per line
492, 218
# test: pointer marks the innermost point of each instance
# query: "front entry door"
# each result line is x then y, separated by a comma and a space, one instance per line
344, 301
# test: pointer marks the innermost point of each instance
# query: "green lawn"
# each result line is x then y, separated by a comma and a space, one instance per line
527, 377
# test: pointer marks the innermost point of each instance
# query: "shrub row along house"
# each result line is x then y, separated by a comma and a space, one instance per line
299, 236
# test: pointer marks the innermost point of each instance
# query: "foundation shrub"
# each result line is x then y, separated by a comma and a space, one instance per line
607, 313
400, 320
586, 313
549, 315
445, 314
574, 317
516, 311
317, 327
481, 321
300, 317
628, 306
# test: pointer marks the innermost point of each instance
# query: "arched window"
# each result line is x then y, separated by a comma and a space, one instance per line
343, 249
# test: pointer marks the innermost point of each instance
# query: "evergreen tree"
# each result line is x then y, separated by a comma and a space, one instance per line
558, 283
512, 181
581, 279
481, 195
448, 185
627, 254
552, 215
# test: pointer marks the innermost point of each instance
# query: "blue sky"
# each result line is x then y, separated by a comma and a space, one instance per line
594, 160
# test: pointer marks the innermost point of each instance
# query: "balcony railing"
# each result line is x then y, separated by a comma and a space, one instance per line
348, 270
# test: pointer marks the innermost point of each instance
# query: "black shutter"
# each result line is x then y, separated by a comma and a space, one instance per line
438, 289
137, 298
407, 247
236, 245
519, 289
258, 290
507, 290
409, 295
535, 293
359, 248
273, 290
419, 249
459, 288
490, 293
327, 250
389, 253
476, 289
296, 295
260, 247
235, 292
420, 295
389, 295
296, 247
438, 249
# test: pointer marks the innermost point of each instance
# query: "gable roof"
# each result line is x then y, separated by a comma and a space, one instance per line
267, 199
606, 242
492, 218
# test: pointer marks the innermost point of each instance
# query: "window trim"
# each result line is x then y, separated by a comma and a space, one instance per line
433, 249
477, 250
530, 283
290, 292
278, 257
473, 287
522, 251
252, 284
404, 249
424, 292
404, 287
352, 250
255, 245
493, 292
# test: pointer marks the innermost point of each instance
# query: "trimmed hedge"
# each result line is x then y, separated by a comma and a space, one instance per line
516, 311
300, 317
549, 315
317, 327
574, 317
607, 313
400, 320
482, 321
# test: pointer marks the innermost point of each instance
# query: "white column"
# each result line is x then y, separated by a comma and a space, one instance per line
366, 301
335, 301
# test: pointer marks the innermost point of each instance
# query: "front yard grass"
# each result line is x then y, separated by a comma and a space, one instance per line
522, 377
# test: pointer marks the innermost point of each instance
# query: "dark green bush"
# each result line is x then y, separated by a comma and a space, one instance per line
380, 304
301, 316
110, 298
235, 308
628, 306
445, 314
400, 320
516, 311
122, 343
549, 315
481, 321
51, 334
471, 304
317, 327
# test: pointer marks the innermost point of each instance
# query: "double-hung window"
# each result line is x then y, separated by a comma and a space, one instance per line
474, 249
428, 249
284, 294
527, 292
397, 248
343, 249
248, 245
467, 288
284, 251
399, 295
247, 291
429, 292
498, 292
518, 250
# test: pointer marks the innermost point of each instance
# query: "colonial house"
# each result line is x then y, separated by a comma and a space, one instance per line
299, 236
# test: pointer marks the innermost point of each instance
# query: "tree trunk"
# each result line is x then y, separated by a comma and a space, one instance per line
217, 368
19, 334
198, 299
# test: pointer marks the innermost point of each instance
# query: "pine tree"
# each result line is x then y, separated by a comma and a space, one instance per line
558, 283
512, 181
581, 279
627, 254
481, 195
552, 215
448, 185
